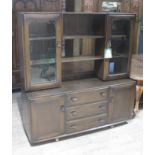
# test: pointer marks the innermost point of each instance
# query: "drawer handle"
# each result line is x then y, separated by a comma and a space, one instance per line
103, 94
73, 112
74, 99
101, 106
73, 126
101, 120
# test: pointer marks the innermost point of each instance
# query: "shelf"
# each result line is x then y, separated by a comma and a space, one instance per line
82, 37
73, 59
41, 38
119, 36
82, 58
42, 62
118, 56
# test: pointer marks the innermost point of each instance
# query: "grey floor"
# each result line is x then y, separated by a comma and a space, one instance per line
122, 140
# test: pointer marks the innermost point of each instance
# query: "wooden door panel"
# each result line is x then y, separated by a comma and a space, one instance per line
47, 117
123, 97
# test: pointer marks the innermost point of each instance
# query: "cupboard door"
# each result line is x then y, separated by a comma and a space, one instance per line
43, 36
119, 36
47, 117
122, 104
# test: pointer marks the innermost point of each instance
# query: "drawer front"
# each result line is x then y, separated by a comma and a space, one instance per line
87, 123
87, 96
86, 110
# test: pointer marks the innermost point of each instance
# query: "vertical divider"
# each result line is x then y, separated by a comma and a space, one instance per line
59, 32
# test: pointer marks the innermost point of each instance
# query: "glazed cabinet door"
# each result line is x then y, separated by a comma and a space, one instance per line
47, 118
119, 39
122, 103
42, 50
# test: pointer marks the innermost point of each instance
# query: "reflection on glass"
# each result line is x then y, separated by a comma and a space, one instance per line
117, 66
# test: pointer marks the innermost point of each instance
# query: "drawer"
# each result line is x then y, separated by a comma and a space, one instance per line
90, 96
87, 123
86, 110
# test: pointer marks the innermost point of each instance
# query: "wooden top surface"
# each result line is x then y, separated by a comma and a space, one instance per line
76, 85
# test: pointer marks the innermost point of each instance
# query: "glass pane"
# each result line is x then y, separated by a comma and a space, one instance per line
42, 44
118, 65
43, 62
43, 27
120, 37
120, 47
120, 27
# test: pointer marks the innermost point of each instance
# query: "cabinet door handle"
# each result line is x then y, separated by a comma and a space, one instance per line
73, 126
103, 94
58, 44
101, 106
111, 100
74, 99
101, 120
73, 112
62, 108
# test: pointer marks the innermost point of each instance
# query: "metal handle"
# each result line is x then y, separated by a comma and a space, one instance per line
58, 44
73, 112
101, 106
62, 108
101, 120
73, 126
103, 94
112, 100
74, 99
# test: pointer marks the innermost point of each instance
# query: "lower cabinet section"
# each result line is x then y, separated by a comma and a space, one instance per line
50, 114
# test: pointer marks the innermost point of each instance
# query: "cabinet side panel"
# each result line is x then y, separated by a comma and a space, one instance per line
21, 48
25, 111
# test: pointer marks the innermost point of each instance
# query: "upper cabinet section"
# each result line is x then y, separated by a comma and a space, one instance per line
41, 46
119, 39
57, 47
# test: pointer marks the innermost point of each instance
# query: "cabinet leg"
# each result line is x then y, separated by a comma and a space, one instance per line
139, 90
